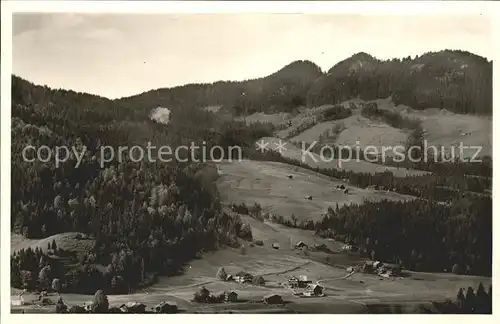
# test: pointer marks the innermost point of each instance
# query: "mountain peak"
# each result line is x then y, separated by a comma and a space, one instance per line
362, 56
302, 64
299, 69
358, 61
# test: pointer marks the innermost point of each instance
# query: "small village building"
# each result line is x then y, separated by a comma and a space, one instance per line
273, 299
258, 281
243, 277
391, 269
303, 282
88, 306
293, 281
300, 244
368, 267
231, 296
315, 289
133, 307
165, 308
17, 302
300, 282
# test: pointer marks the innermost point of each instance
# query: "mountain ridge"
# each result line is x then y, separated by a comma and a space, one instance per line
455, 80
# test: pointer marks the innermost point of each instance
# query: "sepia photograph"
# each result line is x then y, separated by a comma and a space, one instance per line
239, 162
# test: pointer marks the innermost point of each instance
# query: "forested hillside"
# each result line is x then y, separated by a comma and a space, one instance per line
420, 235
145, 217
281, 91
455, 80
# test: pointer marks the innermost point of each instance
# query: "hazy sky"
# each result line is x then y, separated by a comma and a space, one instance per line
117, 55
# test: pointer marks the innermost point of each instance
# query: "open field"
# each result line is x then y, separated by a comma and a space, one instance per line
368, 132
267, 184
65, 241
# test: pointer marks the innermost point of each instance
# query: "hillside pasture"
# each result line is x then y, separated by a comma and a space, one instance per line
267, 184
358, 131
448, 129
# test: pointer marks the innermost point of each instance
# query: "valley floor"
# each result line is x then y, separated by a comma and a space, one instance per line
268, 184
343, 294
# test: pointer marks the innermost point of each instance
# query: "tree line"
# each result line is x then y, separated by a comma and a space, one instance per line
393, 119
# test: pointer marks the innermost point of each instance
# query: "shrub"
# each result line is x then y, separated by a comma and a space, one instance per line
76, 309
456, 269
246, 232
47, 301
202, 296
221, 274
336, 112
100, 303
61, 307
56, 285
